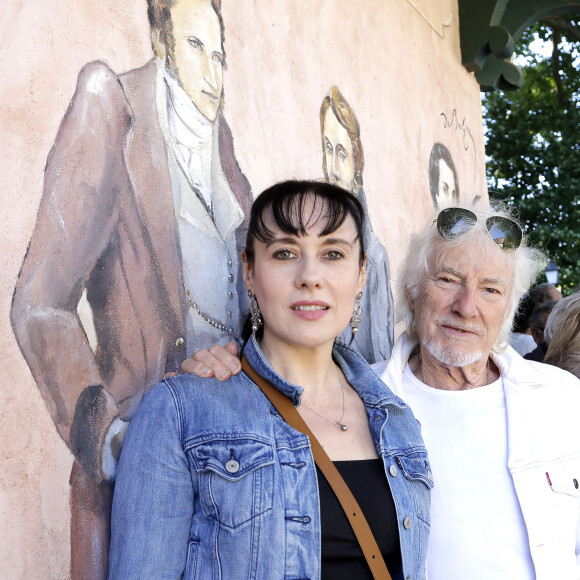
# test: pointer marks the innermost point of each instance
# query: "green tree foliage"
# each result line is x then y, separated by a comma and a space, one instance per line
532, 143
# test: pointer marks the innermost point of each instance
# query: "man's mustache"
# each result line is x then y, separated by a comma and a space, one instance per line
460, 324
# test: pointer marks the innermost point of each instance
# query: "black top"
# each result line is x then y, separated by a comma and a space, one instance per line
342, 557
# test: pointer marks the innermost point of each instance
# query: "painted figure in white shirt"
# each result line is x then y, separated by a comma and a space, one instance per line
142, 214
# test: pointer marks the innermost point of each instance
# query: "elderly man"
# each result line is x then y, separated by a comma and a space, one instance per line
500, 430
142, 210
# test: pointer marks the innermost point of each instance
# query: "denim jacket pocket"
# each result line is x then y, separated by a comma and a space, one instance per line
236, 478
415, 467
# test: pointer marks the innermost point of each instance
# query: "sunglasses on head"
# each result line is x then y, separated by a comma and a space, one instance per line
453, 222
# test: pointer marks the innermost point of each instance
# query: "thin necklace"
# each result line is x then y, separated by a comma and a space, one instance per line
342, 426
423, 380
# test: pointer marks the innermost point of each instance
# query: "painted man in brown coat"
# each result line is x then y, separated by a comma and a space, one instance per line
143, 209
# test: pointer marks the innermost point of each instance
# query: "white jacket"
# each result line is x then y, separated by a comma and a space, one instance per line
543, 422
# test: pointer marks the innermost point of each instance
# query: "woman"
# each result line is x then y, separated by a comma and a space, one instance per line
212, 483
562, 333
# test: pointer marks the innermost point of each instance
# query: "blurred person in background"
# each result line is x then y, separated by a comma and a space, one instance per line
563, 335
521, 339
539, 320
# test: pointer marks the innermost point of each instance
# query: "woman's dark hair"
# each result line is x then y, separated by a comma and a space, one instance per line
288, 202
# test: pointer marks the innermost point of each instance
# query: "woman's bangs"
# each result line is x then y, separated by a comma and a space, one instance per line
295, 214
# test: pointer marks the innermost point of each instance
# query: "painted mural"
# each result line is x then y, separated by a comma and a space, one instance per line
443, 175
143, 192
443, 182
343, 164
144, 208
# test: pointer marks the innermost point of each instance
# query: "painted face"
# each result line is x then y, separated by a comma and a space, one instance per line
338, 153
446, 191
462, 305
306, 286
198, 54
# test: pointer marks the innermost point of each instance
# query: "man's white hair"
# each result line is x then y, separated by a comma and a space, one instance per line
527, 262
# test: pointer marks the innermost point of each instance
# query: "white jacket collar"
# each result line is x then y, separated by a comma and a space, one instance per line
391, 373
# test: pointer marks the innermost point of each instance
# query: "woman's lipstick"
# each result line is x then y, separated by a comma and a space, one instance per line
310, 310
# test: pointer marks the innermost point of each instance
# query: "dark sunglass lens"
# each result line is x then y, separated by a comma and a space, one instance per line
504, 232
454, 221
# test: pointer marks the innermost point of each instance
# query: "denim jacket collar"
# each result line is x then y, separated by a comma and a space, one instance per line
368, 386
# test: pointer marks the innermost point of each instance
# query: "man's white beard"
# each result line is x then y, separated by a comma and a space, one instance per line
451, 357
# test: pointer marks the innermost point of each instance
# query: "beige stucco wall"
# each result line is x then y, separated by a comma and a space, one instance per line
396, 61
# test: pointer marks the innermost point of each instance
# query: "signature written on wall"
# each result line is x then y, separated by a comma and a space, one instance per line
453, 123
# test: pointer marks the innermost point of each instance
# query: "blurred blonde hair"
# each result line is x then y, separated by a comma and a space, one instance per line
562, 334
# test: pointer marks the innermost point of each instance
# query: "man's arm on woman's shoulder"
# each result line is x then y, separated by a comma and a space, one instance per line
220, 362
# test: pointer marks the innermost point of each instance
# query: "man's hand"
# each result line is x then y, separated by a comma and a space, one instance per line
219, 362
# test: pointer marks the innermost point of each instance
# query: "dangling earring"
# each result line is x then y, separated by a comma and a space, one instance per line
356, 314
255, 313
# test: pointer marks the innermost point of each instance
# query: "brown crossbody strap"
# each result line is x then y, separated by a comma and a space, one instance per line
349, 504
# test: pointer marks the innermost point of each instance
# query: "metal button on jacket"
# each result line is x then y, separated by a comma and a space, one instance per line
231, 278
232, 466
393, 470
407, 522
179, 343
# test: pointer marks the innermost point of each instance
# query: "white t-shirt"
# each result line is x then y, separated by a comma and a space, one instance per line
477, 527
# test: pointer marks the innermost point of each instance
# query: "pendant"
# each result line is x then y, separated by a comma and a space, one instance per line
343, 427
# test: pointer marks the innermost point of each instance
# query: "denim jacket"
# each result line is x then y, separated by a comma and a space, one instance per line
214, 484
